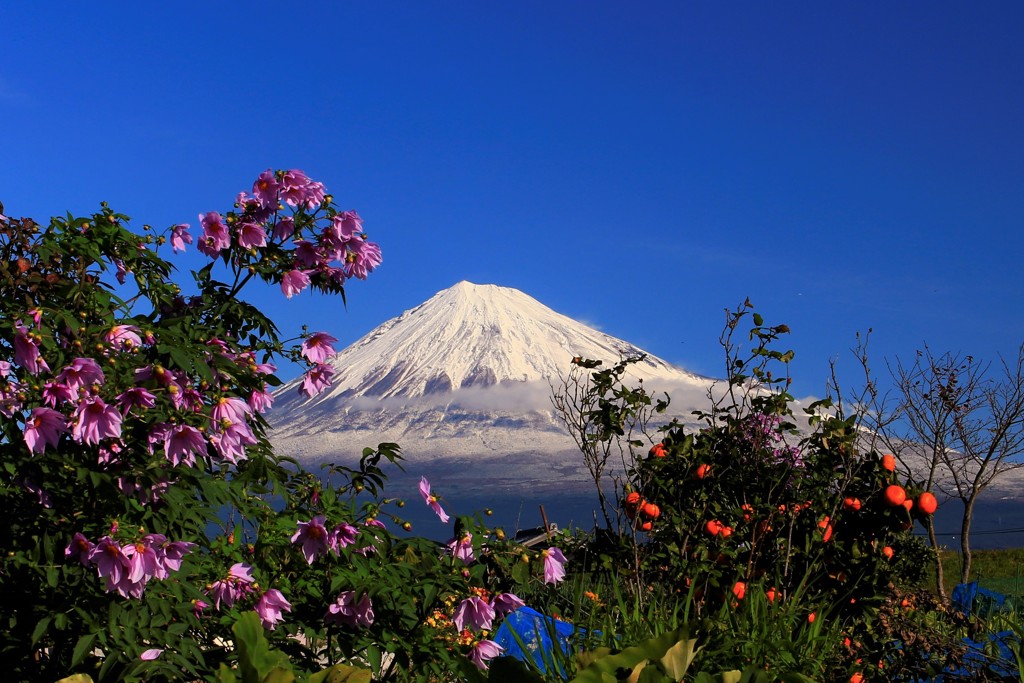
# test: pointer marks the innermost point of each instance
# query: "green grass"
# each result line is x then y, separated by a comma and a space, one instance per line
998, 570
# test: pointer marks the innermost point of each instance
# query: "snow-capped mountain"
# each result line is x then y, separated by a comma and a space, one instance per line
463, 379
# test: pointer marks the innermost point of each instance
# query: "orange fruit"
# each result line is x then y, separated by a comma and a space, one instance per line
771, 594
857, 677
811, 617
651, 510
702, 471
633, 498
889, 462
646, 526
851, 503
739, 589
658, 450
726, 531
714, 527
828, 534
888, 552
926, 503
895, 495
908, 504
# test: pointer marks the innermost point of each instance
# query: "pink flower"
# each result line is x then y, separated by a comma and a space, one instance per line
261, 400
346, 225
215, 234
81, 373
151, 654
230, 443
297, 188
55, 393
251, 235
316, 379
506, 603
293, 282
172, 555
271, 607
284, 228
318, 347
26, 351
462, 548
483, 651
314, 538
43, 428
432, 500
229, 410
362, 258
136, 397
124, 337
180, 237
110, 561
343, 536
182, 443
233, 587
554, 565
265, 190
79, 549
95, 421
475, 613
347, 611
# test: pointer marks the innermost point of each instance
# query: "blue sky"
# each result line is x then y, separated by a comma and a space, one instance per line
638, 166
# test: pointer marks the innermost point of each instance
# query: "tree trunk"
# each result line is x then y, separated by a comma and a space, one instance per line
940, 575
965, 540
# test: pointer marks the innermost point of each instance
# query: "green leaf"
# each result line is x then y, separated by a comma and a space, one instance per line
341, 673
40, 629
82, 648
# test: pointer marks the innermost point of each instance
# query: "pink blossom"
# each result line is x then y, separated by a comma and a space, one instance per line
143, 563
313, 537
306, 254
151, 654
506, 603
318, 347
251, 235
95, 420
343, 536
297, 189
554, 565
233, 587
346, 225
182, 443
215, 234
124, 337
173, 553
293, 282
55, 393
265, 189
362, 258
270, 608
475, 613
180, 237
462, 548
284, 228
483, 651
43, 428
79, 549
110, 562
81, 373
122, 271
347, 611
317, 379
26, 351
5, 369
432, 500
230, 443
136, 397
261, 400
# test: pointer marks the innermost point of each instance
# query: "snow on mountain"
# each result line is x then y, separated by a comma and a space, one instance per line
463, 379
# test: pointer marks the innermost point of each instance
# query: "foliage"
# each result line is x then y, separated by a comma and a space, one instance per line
763, 502
146, 512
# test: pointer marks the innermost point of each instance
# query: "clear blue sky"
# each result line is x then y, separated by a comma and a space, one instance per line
638, 166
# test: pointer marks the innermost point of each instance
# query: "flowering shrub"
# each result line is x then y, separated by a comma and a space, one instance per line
145, 508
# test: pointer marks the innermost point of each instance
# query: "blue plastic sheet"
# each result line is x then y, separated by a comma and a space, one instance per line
539, 634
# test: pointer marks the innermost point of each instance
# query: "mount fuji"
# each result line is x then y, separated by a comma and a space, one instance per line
463, 383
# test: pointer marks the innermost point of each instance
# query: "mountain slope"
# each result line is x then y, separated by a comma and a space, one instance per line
464, 377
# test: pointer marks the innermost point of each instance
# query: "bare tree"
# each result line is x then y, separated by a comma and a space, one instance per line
604, 418
967, 421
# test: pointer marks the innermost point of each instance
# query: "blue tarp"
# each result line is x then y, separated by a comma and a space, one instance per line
535, 631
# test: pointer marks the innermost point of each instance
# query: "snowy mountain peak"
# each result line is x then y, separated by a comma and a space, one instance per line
472, 336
